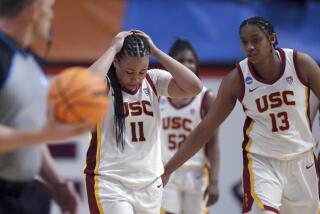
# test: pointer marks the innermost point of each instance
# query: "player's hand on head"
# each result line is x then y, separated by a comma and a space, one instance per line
117, 41
66, 197
212, 192
151, 43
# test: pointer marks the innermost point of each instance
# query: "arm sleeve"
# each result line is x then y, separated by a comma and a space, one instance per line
161, 80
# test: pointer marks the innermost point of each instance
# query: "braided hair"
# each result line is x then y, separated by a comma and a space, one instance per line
263, 24
133, 46
181, 45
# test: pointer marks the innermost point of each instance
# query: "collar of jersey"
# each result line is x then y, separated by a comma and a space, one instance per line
12, 44
131, 92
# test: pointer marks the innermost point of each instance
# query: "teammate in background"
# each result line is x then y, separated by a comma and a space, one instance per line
124, 164
273, 85
23, 115
187, 186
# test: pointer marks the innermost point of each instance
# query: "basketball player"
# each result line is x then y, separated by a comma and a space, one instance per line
23, 115
185, 191
124, 165
273, 85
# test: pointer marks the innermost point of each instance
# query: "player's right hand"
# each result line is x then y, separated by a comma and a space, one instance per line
165, 178
117, 41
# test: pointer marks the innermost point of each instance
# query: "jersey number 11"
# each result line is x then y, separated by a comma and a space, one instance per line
137, 132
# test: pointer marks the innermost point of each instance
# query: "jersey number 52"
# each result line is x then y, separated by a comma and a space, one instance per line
175, 141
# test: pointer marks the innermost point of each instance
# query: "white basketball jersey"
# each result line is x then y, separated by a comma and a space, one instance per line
278, 122
139, 163
177, 123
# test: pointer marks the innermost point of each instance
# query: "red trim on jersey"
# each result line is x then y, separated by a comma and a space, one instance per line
256, 75
92, 201
91, 155
171, 102
89, 173
151, 84
242, 82
247, 197
272, 209
296, 67
202, 110
308, 110
132, 92
246, 125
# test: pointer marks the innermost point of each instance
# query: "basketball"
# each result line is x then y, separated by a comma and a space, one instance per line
78, 95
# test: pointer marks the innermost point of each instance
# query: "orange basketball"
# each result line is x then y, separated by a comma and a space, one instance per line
78, 95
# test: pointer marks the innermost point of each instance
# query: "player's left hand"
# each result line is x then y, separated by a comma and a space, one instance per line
212, 192
67, 198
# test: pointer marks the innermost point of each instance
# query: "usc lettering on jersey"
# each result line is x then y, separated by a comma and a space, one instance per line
177, 123
277, 123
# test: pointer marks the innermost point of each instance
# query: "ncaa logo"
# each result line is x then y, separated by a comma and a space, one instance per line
248, 80
289, 79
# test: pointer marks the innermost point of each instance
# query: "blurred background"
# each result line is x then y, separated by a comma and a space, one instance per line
83, 29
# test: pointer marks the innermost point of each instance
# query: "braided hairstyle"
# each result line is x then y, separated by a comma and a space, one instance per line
181, 45
133, 46
11, 8
263, 24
